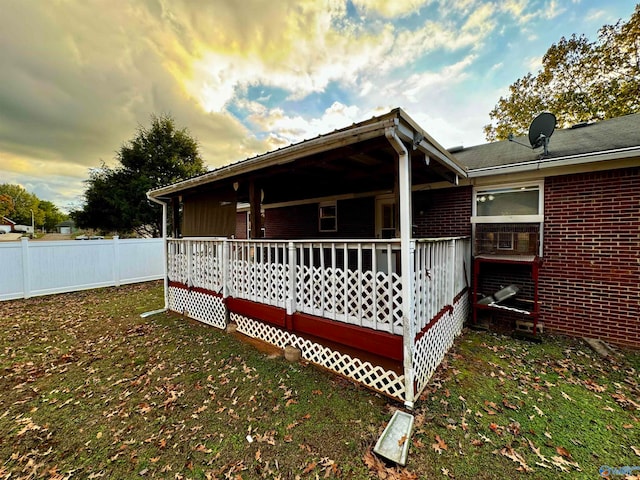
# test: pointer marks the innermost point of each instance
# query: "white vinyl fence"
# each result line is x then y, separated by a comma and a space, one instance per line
29, 269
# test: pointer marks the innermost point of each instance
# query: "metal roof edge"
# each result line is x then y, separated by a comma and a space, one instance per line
568, 160
286, 154
434, 147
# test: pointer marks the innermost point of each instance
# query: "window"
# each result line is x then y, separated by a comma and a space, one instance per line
328, 217
508, 219
514, 203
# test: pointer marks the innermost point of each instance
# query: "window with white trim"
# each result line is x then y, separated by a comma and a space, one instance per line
328, 216
515, 203
508, 219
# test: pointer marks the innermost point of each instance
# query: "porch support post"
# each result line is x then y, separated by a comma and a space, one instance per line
407, 252
255, 205
452, 270
291, 291
175, 217
224, 264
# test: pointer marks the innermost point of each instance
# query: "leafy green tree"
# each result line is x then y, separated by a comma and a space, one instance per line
580, 81
6, 205
115, 199
23, 204
52, 216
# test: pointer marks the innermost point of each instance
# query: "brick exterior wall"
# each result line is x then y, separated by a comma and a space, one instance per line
442, 213
241, 225
355, 220
590, 278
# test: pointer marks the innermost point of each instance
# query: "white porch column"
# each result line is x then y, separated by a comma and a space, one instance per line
407, 252
291, 290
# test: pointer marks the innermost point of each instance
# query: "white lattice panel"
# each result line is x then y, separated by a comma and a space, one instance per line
200, 306
432, 347
367, 299
372, 376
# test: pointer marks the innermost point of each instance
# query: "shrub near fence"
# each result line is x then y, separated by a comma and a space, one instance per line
29, 269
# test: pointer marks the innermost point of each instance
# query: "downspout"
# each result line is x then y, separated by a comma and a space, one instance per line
407, 251
164, 258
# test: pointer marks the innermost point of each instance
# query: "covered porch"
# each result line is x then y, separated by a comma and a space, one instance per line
355, 288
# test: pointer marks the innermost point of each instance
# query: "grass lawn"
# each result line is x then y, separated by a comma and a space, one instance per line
90, 390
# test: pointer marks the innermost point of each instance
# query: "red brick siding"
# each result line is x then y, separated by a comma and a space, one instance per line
241, 225
442, 213
590, 279
355, 220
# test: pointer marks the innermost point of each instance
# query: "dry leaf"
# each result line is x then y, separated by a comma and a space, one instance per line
310, 467
511, 454
439, 445
636, 450
564, 452
402, 440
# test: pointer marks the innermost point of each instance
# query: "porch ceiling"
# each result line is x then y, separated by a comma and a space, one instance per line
365, 166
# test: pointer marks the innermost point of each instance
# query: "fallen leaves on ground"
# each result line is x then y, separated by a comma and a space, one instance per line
383, 472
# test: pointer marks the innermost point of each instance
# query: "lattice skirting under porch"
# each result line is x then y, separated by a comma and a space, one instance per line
204, 307
374, 377
432, 347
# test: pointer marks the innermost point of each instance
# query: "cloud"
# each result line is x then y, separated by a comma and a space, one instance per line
285, 129
387, 9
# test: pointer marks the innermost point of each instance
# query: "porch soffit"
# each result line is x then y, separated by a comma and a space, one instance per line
355, 159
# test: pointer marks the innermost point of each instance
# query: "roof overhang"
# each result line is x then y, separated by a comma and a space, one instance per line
371, 129
628, 153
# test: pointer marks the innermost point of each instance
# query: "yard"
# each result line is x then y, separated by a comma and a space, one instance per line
91, 390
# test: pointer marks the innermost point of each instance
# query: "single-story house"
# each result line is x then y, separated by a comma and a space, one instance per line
367, 248
6, 224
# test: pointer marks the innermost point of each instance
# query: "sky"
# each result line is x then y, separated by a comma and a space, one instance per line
78, 77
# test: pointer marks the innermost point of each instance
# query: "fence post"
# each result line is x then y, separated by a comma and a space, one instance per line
26, 268
116, 260
291, 294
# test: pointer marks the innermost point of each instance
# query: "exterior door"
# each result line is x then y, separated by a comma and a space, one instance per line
386, 227
386, 224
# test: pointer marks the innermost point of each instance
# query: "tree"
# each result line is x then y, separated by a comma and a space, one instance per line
6, 205
23, 204
52, 216
580, 81
115, 198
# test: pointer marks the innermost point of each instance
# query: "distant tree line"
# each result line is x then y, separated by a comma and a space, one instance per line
17, 204
580, 81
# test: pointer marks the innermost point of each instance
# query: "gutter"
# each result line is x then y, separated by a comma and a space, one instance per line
164, 259
568, 160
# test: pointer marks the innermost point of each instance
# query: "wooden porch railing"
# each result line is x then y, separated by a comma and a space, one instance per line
441, 273
351, 281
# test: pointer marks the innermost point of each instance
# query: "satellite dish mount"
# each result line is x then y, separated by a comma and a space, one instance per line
540, 132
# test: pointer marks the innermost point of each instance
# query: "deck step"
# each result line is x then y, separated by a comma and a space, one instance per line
394, 442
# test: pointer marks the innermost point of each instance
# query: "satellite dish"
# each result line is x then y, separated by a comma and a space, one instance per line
541, 130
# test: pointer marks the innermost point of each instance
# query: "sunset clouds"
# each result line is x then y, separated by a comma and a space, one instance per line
245, 77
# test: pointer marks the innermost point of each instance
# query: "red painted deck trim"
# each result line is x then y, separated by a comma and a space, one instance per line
380, 343
440, 314
195, 289
258, 311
